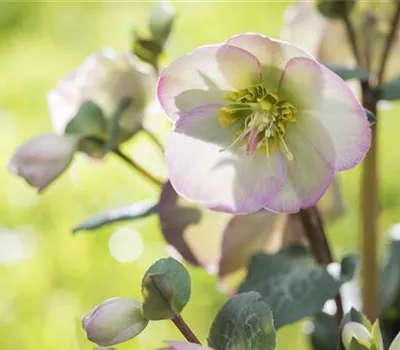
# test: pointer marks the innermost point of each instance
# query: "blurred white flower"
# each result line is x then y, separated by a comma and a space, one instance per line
104, 78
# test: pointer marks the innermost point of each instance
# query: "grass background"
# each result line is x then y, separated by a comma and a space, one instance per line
49, 278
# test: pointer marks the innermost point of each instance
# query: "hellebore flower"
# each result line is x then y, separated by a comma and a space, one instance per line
104, 78
114, 321
40, 160
259, 123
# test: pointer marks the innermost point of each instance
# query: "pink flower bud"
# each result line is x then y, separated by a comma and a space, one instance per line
40, 160
114, 321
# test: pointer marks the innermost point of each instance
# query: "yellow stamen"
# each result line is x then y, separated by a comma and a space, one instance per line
255, 110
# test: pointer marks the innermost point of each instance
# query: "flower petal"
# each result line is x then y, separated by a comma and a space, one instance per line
203, 168
179, 345
301, 82
239, 67
396, 343
203, 76
308, 175
244, 236
273, 54
344, 120
304, 26
194, 231
42, 159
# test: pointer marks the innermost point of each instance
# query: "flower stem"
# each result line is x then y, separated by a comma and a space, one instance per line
137, 167
370, 193
314, 230
155, 139
351, 36
389, 42
369, 229
185, 329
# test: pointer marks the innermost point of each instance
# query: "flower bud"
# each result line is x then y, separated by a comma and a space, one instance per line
104, 78
40, 160
114, 321
161, 20
355, 330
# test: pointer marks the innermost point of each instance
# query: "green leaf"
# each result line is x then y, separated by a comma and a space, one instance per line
390, 91
135, 211
147, 50
166, 289
347, 73
161, 21
335, 8
89, 120
325, 334
113, 126
244, 323
293, 284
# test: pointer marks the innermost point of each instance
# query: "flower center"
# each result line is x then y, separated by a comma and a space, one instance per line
262, 118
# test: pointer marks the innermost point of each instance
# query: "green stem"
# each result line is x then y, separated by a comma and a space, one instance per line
154, 138
138, 167
315, 232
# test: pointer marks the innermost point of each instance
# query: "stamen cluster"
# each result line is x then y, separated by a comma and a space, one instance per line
262, 119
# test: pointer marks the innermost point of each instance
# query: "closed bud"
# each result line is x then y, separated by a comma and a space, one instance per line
40, 160
161, 20
355, 330
114, 321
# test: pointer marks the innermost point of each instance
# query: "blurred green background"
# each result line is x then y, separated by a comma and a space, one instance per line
49, 278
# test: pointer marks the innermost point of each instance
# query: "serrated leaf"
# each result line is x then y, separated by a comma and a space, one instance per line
166, 289
245, 322
292, 283
132, 212
390, 91
347, 73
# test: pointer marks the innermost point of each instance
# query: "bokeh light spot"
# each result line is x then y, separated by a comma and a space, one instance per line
126, 245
